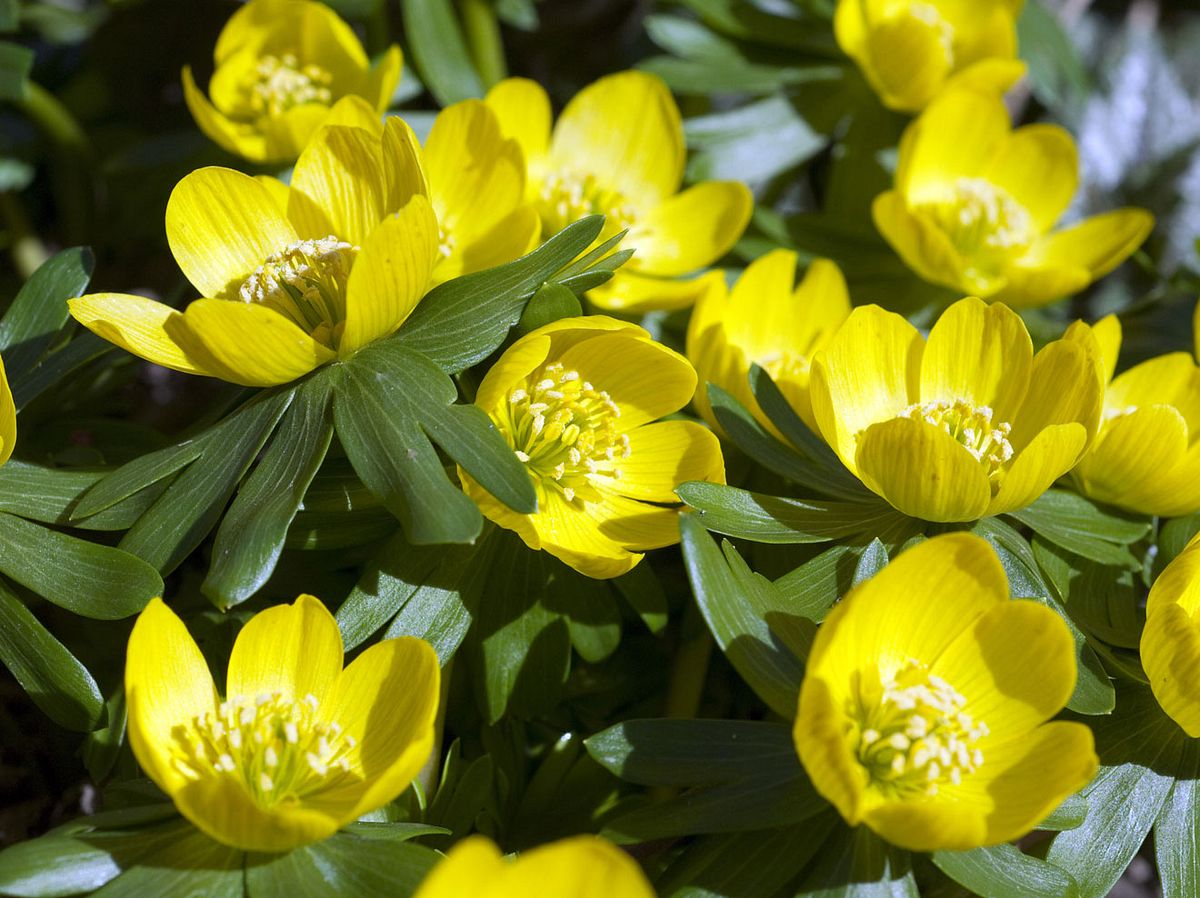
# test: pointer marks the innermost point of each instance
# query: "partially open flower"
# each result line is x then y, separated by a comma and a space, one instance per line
975, 203
8, 418
281, 65
298, 747
1170, 646
576, 400
968, 425
618, 149
924, 707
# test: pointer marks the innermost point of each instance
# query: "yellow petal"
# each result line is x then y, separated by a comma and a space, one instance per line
1050, 455
988, 76
594, 537
850, 28
938, 824
8, 418
387, 699
819, 734
1173, 493
955, 137
288, 134
338, 186
312, 30
354, 112
221, 225
167, 683
292, 649
517, 363
1178, 584
692, 229
625, 130
390, 275
1172, 379
922, 245
906, 61
148, 329
1039, 167
1170, 650
664, 455
523, 109
1098, 244
1131, 453
1028, 286
511, 237
252, 345
1065, 387
277, 189
240, 138
404, 169
868, 373
922, 471
1195, 329
470, 868
980, 353
631, 293
578, 867
383, 78
1107, 334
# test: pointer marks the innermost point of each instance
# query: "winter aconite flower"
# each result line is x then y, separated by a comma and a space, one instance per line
618, 149
280, 67
8, 418
966, 425
576, 400
1170, 645
291, 278
1146, 457
974, 204
910, 50
298, 747
578, 867
765, 320
924, 707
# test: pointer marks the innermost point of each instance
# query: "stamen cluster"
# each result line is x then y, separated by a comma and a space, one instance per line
306, 282
569, 196
971, 426
985, 224
279, 83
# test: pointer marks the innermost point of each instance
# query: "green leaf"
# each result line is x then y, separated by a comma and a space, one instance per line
644, 592
135, 476
873, 560
15, 64
46, 670
252, 535
102, 747
520, 14
10, 13
40, 308
1071, 521
463, 321
1068, 815
1056, 71
812, 588
744, 864
346, 865
1002, 871
790, 27
856, 863
50, 495
730, 75
185, 513
1175, 841
748, 618
185, 862
740, 775
50, 370
90, 580
752, 143
439, 50
551, 303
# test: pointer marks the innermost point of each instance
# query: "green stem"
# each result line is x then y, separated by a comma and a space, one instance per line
28, 251
74, 165
483, 37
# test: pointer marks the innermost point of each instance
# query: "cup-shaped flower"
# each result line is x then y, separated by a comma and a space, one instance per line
578, 867
8, 418
1146, 456
910, 50
618, 149
292, 278
765, 320
924, 707
298, 747
280, 67
578, 401
1170, 646
975, 202
964, 426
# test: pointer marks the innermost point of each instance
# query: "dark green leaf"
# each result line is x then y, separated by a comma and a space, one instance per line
134, 476
50, 370
346, 865
644, 593
1082, 527
101, 747
15, 65
10, 13
695, 76
440, 51
1175, 841
812, 588
51, 675
1002, 871
856, 863
744, 864
40, 309
50, 495
189, 864
549, 304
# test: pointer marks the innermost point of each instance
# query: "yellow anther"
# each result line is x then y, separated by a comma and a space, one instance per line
279, 83
972, 426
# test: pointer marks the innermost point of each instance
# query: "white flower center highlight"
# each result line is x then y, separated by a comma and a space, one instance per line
565, 430
914, 736
306, 283
985, 224
785, 366
971, 426
278, 748
567, 196
927, 14
279, 83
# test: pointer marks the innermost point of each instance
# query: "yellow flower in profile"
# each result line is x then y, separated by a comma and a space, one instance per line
618, 149
298, 747
964, 426
1170, 646
765, 320
8, 418
578, 867
910, 50
924, 707
975, 203
291, 278
281, 65
1146, 457
575, 400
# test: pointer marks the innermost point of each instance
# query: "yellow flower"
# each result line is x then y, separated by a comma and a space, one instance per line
575, 400
299, 747
910, 50
974, 204
968, 425
1146, 457
280, 67
291, 278
618, 149
925, 699
578, 867
8, 418
767, 321
1170, 646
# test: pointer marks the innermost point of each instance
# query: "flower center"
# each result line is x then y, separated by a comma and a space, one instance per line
569, 196
306, 283
564, 430
985, 224
278, 83
971, 426
915, 736
785, 366
280, 749
447, 243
